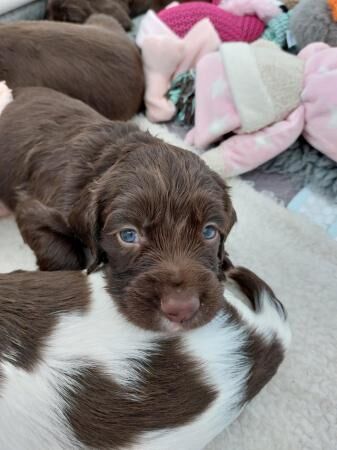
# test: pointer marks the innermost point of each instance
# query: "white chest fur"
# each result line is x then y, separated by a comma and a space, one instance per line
217, 346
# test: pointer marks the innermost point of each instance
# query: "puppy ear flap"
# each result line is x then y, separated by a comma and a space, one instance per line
84, 221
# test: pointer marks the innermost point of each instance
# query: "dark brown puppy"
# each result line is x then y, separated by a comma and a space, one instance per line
96, 63
78, 182
78, 11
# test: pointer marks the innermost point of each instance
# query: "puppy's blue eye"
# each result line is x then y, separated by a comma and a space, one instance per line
209, 232
129, 236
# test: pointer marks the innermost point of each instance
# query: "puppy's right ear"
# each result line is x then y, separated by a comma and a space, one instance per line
85, 223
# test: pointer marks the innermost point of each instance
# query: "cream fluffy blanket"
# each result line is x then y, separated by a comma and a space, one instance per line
298, 409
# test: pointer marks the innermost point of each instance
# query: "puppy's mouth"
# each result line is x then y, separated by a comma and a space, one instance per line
168, 326
152, 304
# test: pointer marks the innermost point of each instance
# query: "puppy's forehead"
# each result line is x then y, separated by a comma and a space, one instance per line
170, 170
168, 185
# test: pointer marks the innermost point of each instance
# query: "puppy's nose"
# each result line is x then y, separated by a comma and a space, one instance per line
179, 306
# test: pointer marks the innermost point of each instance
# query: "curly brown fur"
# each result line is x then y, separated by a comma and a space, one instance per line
75, 180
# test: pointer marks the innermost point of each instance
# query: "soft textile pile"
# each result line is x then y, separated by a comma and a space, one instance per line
294, 95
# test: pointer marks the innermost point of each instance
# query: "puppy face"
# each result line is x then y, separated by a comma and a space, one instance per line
161, 219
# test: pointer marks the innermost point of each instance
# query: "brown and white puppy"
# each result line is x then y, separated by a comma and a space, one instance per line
79, 371
96, 62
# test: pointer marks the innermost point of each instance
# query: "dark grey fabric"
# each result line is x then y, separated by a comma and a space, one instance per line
32, 11
311, 22
308, 166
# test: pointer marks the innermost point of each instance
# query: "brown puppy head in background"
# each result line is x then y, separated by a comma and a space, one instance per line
159, 217
78, 11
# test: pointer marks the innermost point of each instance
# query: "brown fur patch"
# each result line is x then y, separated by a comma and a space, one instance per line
172, 393
39, 225
266, 358
30, 303
96, 63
